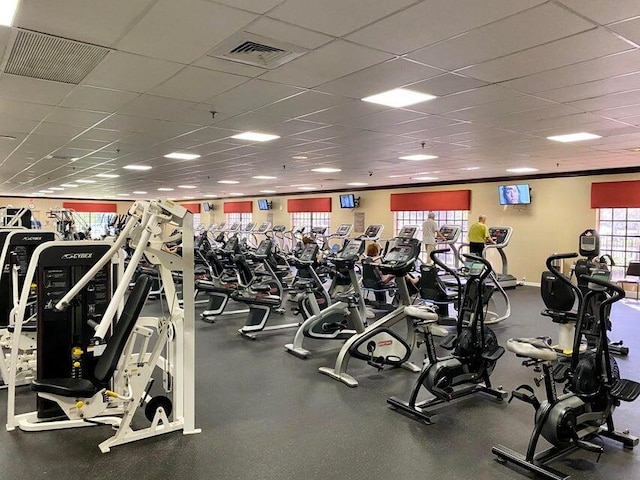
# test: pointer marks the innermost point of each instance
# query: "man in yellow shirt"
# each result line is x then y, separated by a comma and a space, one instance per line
478, 236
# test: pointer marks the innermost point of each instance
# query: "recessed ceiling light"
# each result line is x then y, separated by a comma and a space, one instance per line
56, 188
182, 156
211, 195
398, 176
357, 184
188, 198
418, 157
46, 191
165, 189
139, 192
574, 137
107, 175
299, 157
229, 182
236, 194
8, 11
69, 185
306, 188
255, 136
398, 98
137, 167
470, 168
85, 181
326, 170
424, 178
187, 186
123, 194
522, 170
264, 177
267, 191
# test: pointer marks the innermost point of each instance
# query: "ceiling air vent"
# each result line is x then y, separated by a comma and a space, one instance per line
255, 50
57, 59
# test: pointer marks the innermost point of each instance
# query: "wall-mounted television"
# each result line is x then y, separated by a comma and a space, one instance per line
348, 200
206, 207
515, 194
264, 204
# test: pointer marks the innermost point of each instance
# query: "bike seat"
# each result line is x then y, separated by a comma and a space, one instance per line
423, 313
537, 347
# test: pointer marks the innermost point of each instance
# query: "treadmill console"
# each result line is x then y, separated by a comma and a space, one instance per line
249, 227
318, 230
401, 258
408, 231
589, 243
264, 249
451, 233
343, 230
279, 228
263, 228
352, 250
231, 246
309, 253
372, 232
234, 227
220, 227
298, 230
500, 235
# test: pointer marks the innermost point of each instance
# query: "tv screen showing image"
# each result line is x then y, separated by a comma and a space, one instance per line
206, 207
263, 204
347, 201
514, 194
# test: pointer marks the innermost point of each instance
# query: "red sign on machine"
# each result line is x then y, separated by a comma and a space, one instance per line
385, 343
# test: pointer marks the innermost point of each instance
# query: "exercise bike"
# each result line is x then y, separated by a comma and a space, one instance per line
475, 347
593, 387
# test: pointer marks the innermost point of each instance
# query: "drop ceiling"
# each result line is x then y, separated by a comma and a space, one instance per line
506, 73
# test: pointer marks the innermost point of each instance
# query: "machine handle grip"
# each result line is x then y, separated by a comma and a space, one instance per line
618, 294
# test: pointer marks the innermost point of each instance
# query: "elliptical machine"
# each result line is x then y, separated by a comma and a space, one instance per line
378, 345
475, 347
593, 387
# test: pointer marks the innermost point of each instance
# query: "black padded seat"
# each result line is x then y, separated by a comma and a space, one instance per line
83, 388
148, 271
66, 387
268, 300
207, 286
25, 328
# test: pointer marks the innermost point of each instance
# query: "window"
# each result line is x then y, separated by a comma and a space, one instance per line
98, 222
619, 230
310, 219
242, 218
196, 221
444, 217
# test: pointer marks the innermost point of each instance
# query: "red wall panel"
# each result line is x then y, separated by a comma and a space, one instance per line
421, 201
238, 207
615, 194
91, 206
322, 204
192, 207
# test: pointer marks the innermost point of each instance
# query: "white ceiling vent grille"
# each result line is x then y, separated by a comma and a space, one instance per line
255, 50
57, 59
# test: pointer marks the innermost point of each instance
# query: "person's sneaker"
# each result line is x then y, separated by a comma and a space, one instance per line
370, 313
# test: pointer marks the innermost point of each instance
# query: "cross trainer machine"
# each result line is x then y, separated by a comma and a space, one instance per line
593, 387
474, 346
378, 345
332, 323
108, 381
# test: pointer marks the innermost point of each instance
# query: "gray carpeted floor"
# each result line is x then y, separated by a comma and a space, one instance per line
268, 415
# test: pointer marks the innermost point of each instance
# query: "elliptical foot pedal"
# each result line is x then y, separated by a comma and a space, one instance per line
493, 355
449, 342
625, 390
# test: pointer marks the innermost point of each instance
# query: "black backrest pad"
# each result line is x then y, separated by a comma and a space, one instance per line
556, 294
122, 331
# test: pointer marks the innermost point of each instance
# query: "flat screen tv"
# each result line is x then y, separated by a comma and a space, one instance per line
263, 204
348, 200
514, 194
206, 207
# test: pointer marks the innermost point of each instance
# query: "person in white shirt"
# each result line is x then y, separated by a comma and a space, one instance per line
429, 235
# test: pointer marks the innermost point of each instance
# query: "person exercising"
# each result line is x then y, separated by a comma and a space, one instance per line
430, 234
479, 236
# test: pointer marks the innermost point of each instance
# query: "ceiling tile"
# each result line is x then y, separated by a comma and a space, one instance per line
381, 119
608, 101
477, 96
379, 78
24, 110
183, 31
344, 112
32, 90
327, 63
302, 104
97, 99
253, 94
58, 130
70, 116
629, 29
151, 106
284, 32
228, 66
9, 126
525, 30
603, 11
93, 21
257, 6
593, 89
336, 17
429, 22
132, 73
197, 84
581, 47
447, 84
600, 68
